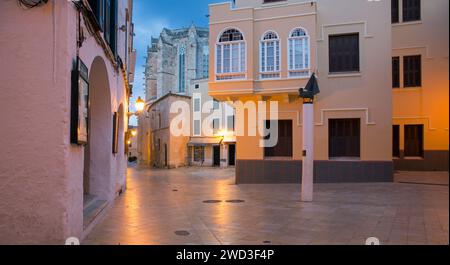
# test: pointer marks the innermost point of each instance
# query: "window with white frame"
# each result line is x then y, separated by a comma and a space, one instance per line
270, 56
230, 56
299, 54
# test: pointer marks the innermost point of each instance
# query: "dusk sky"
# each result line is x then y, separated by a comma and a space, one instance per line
151, 16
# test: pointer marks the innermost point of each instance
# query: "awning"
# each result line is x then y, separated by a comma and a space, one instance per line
204, 141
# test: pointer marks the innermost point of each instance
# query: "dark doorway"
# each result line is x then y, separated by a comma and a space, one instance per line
414, 140
396, 141
216, 155
165, 155
232, 155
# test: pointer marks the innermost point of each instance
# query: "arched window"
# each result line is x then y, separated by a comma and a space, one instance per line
231, 55
270, 55
299, 53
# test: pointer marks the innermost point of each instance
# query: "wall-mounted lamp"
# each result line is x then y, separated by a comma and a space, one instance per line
140, 105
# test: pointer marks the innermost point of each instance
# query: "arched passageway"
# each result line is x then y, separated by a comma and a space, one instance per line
97, 181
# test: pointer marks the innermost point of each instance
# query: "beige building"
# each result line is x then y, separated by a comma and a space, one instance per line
420, 92
267, 50
212, 141
158, 147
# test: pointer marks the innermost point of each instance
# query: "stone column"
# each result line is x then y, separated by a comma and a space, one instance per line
308, 151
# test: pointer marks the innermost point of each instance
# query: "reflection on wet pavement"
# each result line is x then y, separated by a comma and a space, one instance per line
151, 212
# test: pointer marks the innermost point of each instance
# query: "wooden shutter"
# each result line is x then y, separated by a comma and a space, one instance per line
284, 147
411, 10
344, 138
395, 11
396, 72
414, 140
412, 71
344, 53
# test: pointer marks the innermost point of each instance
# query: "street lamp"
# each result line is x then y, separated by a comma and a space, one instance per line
140, 105
133, 133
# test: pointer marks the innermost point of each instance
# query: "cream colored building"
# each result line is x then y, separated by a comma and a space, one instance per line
420, 39
267, 50
158, 147
214, 145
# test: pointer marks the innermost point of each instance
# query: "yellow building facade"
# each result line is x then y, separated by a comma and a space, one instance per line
264, 51
420, 84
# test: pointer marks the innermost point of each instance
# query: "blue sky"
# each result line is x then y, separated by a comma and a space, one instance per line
151, 16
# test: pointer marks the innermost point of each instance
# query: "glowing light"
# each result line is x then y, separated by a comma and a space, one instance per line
140, 104
133, 133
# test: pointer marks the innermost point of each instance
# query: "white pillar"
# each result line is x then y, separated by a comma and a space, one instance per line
308, 152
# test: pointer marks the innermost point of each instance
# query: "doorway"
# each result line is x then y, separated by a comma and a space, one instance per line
216, 155
165, 156
232, 155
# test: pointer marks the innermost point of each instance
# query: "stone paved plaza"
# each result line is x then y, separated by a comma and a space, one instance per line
159, 203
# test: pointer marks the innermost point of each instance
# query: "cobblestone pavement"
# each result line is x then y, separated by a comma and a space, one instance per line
167, 207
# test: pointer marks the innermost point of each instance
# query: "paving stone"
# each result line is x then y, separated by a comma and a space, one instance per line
149, 212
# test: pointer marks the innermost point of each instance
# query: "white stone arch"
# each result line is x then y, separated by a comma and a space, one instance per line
98, 180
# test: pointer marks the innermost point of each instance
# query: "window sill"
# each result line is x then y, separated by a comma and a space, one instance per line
406, 89
413, 158
343, 159
279, 158
344, 74
408, 23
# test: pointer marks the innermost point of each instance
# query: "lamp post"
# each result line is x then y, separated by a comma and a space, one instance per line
308, 95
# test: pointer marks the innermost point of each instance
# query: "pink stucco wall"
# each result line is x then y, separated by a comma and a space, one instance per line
41, 172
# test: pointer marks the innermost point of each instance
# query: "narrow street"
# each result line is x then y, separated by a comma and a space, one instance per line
189, 206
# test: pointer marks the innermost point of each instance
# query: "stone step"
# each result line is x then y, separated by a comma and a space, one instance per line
88, 200
93, 209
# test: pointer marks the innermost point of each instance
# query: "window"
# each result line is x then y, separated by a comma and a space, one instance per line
411, 10
299, 53
230, 55
197, 105
197, 127
344, 138
230, 123
182, 70
396, 72
396, 141
205, 59
216, 105
412, 71
199, 153
414, 140
394, 11
105, 12
284, 147
216, 126
270, 54
344, 53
